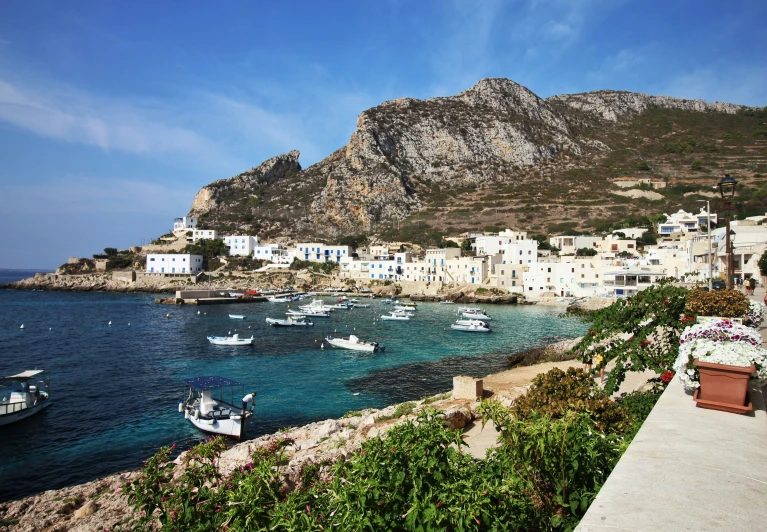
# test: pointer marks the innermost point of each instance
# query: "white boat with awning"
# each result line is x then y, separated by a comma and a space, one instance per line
213, 405
23, 395
353, 343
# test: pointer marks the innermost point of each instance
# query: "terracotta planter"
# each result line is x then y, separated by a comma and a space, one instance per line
724, 387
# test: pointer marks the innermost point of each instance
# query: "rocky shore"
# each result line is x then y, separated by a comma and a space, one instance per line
102, 505
132, 282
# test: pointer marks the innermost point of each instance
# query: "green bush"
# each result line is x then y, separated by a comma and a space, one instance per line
725, 303
557, 392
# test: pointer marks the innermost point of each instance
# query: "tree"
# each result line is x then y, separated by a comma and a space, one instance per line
448, 244
110, 252
543, 241
696, 165
585, 252
763, 264
208, 249
648, 238
643, 165
466, 245
641, 332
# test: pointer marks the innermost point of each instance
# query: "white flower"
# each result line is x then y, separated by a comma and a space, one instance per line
721, 343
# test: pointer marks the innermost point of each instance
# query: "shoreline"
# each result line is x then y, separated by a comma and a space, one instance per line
100, 503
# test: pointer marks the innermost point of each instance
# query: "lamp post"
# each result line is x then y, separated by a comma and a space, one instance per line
727, 191
708, 231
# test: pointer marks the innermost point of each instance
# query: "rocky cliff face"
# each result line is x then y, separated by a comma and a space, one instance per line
407, 150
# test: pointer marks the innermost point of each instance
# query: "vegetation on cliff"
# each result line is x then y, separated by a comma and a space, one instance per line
548, 467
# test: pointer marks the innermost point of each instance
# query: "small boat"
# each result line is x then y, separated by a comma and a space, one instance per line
210, 405
395, 316
342, 306
291, 321
23, 395
401, 313
391, 301
307, 314
469, 309
470, 326
230, 340
236, 294
317, 305
406, 308
359, 305
353, 343
237, 316
273, 299
447, 302
476, 315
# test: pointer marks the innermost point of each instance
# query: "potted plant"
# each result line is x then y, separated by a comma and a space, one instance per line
716, 361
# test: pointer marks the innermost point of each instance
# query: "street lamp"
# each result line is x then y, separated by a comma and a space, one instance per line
708, 231
727, 191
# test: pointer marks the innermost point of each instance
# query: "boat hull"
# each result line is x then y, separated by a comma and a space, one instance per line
368, 348
470, 328
224, 340
482, 317
7, 419
234, 428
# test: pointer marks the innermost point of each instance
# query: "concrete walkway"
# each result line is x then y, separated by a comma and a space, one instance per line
689, 468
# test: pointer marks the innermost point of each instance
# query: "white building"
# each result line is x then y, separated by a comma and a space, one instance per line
206, 234
568, 245
173, 263
627, 282
685, 222
184, 224
520, 252
748, 244
493, 244
273, 252
318, 252
241, 245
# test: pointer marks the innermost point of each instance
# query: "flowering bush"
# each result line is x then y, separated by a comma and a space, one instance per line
755, 314
717, 331
721, 343
726, 303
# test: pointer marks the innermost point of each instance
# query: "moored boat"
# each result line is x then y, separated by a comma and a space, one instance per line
237, 316
476, 315
307, 313
210, 405
396, 316
230, 340
23, 395
470, 326
290, 321
274, 299
446, 302
353, 343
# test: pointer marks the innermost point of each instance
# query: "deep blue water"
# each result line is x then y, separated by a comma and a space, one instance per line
116, 388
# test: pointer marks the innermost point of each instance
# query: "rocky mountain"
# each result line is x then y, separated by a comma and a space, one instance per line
496, 153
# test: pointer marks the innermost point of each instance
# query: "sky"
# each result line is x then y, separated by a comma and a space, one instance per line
114, 114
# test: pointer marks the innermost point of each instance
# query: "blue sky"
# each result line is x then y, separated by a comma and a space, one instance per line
113, 114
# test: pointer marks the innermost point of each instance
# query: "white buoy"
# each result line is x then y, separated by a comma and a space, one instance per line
198, 312
230, 332
322, 346
167, 315
110, 322
50, 328
128, 324
356, 394
22, 326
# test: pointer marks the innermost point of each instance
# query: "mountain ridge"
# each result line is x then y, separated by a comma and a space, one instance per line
406, 152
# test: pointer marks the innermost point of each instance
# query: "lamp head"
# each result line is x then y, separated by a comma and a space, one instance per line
727, 187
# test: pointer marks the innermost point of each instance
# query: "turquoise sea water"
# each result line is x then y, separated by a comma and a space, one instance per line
116, 388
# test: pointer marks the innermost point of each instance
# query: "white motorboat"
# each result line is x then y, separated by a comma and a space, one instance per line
307, 313
230, 340
23, 395
210, 406
403, 316
476, 315
470, 326
401, 313
405, 308
290, 321
390, 301
469, 309
341, 306
317, 305
273, 299
359, 305
446, 302
236, 294
353, 343
237, 316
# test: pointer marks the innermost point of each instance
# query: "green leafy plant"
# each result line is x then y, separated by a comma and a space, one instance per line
638, 333
558, 392
724, 303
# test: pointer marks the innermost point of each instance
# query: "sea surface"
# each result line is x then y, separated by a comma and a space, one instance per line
116, 388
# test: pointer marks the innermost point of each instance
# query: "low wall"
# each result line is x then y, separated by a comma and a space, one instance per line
688, 468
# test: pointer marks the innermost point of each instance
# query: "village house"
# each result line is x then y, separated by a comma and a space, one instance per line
173, 263
184, 223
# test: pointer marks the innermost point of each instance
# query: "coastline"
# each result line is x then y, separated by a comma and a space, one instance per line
100, 504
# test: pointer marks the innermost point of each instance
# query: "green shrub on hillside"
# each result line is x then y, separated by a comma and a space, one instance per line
725, 303
557, 392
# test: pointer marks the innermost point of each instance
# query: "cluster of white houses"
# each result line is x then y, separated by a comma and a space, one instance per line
511, 261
